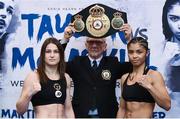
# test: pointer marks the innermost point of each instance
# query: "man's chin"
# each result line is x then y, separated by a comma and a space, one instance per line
95, 55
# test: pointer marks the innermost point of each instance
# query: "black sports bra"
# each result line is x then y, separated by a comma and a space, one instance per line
136, 92
53, 92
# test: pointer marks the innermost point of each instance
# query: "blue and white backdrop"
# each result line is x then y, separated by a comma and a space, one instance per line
38, 19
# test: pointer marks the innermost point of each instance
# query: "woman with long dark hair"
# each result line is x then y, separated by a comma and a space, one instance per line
48, 87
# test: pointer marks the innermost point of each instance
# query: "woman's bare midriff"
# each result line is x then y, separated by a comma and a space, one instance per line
139, 110
49, 111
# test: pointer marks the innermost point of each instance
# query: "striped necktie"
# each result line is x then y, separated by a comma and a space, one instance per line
94, 66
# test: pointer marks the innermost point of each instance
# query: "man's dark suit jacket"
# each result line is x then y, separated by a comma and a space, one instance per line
90, 85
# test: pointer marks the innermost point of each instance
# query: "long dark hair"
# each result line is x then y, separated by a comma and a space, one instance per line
167, 6
41, 66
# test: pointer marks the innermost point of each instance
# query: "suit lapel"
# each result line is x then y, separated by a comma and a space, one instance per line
88, 72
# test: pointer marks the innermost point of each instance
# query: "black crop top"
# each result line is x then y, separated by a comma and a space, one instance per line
53, 92
136, 92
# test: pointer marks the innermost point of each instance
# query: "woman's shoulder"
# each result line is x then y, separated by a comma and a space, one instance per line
123, 78
155, 75
154, 72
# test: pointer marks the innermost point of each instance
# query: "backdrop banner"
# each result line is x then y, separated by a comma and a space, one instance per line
35, 20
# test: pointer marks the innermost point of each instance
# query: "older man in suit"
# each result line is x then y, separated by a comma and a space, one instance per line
94, 76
